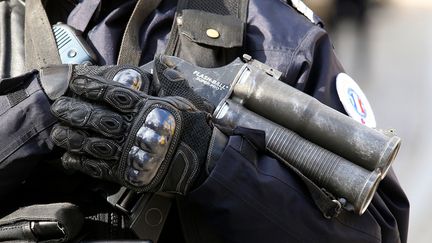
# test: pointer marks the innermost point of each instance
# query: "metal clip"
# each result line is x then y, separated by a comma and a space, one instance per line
333, 212
267, 69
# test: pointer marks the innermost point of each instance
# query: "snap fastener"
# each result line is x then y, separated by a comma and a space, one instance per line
212, 33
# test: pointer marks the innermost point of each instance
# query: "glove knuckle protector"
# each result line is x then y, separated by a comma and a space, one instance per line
147, 148
158, 153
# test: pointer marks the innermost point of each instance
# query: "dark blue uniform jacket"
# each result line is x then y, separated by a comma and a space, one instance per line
249, 196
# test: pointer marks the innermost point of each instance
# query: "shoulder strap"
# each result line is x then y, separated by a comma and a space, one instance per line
130, 51
39, 39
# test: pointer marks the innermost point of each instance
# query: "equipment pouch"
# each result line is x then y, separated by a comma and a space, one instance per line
58, 222
208, 39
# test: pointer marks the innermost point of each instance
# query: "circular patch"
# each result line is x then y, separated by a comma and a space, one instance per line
354, 100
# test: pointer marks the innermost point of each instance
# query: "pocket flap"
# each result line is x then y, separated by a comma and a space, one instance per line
211, 29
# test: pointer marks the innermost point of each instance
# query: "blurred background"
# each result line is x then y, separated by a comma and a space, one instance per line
386, 46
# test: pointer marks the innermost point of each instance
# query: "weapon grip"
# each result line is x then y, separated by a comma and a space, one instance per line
338, 175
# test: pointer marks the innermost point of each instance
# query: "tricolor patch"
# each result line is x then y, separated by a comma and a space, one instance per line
354, 100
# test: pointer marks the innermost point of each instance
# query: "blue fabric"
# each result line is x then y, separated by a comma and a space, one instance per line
262, 201
24, 131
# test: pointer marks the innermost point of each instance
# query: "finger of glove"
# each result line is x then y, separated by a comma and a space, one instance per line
168, 77
151, 145
79, 142
127, 75
81, 114
173, 84
93, 167
121, 98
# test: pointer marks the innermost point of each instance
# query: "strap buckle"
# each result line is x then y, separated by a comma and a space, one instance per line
334, 207
333, 211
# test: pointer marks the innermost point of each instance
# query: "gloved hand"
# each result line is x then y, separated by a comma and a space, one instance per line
143, 142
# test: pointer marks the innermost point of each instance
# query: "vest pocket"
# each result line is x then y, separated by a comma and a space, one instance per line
207, 39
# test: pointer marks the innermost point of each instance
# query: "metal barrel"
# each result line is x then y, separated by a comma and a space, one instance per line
315, 121
338, 175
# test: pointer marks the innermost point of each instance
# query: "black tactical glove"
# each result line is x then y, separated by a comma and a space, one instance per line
143, 142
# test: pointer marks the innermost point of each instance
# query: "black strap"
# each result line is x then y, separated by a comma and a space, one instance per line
40, 45
130, 51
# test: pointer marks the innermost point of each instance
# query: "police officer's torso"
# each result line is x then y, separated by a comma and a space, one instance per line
276, 35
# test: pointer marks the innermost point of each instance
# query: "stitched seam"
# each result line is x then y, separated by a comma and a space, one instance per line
23, 139
297, 49
7, 228
210, 148
180, 153
193, 173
